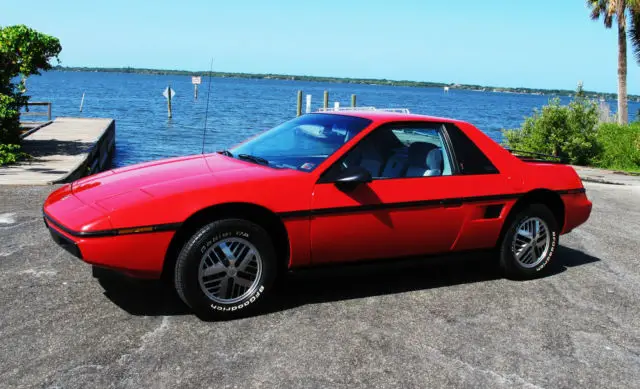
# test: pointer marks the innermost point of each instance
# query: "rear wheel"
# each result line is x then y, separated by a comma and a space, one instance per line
529, 243
225, 269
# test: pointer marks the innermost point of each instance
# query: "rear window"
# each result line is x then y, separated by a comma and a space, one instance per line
468, 156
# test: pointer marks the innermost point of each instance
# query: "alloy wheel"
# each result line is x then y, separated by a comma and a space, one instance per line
531, 242
230, 270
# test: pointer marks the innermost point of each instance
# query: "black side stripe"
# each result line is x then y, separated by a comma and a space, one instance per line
393, 206
306, 213
410, 204
114, 232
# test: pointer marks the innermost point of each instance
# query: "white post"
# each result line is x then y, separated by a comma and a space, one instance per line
308, 110
82, 102
336, 105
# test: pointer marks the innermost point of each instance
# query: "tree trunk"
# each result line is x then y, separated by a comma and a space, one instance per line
623, 109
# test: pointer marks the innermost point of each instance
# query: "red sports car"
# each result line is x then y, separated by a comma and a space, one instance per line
326, 187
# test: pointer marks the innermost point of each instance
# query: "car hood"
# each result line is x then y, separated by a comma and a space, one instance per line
113, 187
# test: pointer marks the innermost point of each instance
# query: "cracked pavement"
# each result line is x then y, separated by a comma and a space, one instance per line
431, 323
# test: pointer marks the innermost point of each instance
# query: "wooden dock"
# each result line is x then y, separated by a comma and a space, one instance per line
63, 151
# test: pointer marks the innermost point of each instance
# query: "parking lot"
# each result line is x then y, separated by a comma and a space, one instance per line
432, 323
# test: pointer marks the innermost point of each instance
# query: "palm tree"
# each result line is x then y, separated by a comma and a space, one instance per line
618, 10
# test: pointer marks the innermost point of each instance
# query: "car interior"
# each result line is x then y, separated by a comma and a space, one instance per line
395, 153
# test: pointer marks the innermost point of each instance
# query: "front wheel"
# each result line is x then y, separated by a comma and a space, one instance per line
225, 269
529, 243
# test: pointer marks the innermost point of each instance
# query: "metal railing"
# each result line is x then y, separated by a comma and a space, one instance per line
338, 109
38, 113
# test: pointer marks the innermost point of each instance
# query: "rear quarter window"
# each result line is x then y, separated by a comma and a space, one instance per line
469, 158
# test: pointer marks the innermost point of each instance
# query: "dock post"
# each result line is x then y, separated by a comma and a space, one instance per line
169, 101
308, 108
299, 106
353, 100
325, 104
82, 102
49, 111
195, 91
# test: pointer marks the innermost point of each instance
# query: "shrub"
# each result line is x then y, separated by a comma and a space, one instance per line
23, 52
9, 119
620, 146
568, 132
10, 154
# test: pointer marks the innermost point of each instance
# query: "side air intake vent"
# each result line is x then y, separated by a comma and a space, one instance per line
493, 211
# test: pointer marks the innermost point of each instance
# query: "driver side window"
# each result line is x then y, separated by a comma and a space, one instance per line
401, 151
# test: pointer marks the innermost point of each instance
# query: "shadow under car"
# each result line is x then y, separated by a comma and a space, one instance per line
334, 283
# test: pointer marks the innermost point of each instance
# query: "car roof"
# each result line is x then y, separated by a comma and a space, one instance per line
387, 116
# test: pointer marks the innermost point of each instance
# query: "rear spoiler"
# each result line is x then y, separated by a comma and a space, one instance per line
530, 156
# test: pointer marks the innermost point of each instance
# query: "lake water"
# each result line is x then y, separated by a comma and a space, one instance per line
239, 108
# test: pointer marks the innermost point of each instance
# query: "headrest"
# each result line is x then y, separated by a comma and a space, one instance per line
434, 160
418, 152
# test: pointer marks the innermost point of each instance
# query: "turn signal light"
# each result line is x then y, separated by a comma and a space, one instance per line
134, 230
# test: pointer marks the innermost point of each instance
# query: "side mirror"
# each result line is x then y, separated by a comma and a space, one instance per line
351, 177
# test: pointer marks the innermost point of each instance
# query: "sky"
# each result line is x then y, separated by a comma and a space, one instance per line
536, 44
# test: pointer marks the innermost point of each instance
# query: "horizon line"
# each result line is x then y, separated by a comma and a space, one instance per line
337, 79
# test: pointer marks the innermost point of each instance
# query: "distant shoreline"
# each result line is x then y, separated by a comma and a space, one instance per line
344, 80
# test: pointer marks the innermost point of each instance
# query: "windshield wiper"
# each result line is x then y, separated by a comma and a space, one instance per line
254, 158
226, 153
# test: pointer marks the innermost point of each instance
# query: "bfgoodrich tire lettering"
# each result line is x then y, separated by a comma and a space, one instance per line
530, 242
225, 269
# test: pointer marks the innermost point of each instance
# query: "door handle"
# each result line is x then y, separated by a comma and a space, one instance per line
451, 203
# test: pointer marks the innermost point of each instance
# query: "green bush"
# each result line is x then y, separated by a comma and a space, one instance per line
620, 146
23, 52
568, 131
576, 133
10, 154
9, 119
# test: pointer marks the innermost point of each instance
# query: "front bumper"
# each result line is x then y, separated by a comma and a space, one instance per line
137, 254
64, 242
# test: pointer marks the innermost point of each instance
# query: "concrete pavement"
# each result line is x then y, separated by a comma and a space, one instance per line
422, 324
62, 152
592, 174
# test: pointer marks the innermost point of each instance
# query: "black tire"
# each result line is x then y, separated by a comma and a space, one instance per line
190, 260
510, 265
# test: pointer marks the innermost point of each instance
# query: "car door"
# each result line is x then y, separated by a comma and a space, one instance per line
410, 207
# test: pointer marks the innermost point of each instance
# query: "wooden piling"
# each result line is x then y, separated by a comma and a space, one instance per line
325, 104
299, 107
353, 100
169, 101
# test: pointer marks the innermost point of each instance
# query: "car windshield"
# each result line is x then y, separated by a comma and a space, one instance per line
302, 143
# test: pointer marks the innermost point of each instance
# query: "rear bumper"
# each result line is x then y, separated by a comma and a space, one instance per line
577, 210
138, 255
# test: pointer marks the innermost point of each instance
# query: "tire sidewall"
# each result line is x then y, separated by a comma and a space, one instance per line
189, 260
508, 261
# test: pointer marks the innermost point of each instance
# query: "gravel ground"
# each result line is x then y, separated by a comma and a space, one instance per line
453, 323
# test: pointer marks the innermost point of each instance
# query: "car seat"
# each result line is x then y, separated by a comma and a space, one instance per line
367, 156
418, 155
434, 163
395, 165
